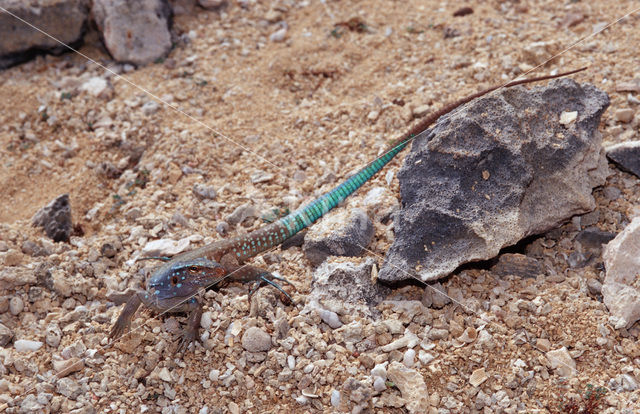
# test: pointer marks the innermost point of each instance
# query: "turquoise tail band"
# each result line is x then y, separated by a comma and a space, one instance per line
303, 218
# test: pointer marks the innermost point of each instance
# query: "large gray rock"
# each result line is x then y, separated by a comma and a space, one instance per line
134, 31
64, 20
621, 288
494, 172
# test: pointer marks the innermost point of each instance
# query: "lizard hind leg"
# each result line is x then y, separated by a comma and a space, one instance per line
268, 278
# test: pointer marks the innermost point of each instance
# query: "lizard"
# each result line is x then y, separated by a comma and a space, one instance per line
174, 284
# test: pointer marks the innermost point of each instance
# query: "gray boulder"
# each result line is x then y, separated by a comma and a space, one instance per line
134, 31
493, 172
64, 20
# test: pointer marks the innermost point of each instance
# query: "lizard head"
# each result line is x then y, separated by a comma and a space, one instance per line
182, 278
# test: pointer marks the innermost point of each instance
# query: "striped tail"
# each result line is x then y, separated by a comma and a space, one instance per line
303, 218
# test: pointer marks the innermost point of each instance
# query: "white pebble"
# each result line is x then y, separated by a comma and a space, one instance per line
379, 384
214, 374
206, 321
380, 370
425, 357
409, 358
330, 318
335, 398
23, 345
291, 362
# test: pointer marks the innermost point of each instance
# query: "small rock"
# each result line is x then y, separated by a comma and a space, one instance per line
212, 4
206, 320
561, 361
421, 110
566, 118
55, 218
379, 384
25, 345
412, 386
408, 358
346, 287
68, 387
516, 264
165, 375
204, 192
135, 32
6, 335
165, 247
261, 177
222, 228
12, 258
330, 318
594, 286
624, 115
256, 340
626, 155
98, 87
622, 262
543, 344
150, 108
478, 377
341, 233
279, 35
16, 305
53, 335
241, 213
435, 296
628, 87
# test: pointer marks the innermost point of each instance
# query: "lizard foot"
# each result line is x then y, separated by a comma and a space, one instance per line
188, 336
268, 278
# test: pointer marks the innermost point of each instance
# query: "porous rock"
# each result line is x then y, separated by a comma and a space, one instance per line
55, 218
626, 156
134, 31
412, 386
342, 233
494, 172
345, 288
620, 291
64, 20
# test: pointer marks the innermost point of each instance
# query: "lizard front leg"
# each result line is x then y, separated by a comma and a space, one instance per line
190, 332
123, 323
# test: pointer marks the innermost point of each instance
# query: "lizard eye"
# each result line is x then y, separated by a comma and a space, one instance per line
193, 269
174, 280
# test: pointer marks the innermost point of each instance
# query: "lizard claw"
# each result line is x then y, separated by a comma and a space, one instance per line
267, 278
188, 336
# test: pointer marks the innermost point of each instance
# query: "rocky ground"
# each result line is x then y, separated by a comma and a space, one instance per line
280, 113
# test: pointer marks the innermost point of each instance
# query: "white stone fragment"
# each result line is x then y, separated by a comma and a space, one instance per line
26, 345
561, 362
567, 117
412, 386
165, 247
478, 377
